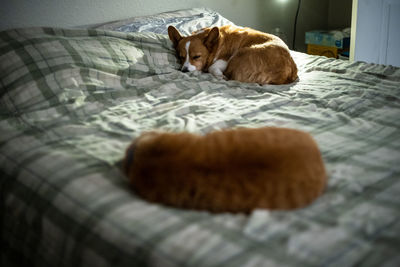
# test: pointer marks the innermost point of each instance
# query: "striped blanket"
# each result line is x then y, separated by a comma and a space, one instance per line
72, 100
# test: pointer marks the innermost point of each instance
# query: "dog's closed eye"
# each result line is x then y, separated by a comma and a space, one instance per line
196, 57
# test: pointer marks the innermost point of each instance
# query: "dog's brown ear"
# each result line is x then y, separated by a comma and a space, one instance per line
174, 35
212, 38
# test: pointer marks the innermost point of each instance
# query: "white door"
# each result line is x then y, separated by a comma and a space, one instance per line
375, 31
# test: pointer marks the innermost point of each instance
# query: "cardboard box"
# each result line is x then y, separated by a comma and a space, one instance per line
320, 50
327, 38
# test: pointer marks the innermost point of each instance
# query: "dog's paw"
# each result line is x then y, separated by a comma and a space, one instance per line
220, 76
217, 69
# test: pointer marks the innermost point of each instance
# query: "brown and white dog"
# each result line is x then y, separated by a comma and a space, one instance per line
236, 53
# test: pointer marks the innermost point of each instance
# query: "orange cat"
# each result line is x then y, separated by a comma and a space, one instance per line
227, 171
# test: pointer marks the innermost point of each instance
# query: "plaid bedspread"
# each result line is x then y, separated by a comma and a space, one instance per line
72, 100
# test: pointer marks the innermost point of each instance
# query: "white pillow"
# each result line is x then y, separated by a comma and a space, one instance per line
186, 21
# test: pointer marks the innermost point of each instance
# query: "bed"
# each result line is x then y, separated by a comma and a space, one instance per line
73, 99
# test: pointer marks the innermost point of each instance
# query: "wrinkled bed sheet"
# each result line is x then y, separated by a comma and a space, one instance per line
72, 100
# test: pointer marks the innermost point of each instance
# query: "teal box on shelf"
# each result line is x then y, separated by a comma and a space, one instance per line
328, 38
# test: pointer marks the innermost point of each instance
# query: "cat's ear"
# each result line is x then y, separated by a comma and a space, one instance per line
174, 35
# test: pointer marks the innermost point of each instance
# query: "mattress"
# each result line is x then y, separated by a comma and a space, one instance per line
73, 99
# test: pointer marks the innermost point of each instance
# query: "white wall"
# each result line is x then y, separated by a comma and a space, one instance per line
339, 16
263, 15
69, 13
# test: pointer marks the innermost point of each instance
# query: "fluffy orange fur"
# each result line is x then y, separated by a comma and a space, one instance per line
234, 170
250, 55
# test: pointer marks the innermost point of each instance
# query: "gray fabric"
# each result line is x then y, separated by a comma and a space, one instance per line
72, 100
186, 21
